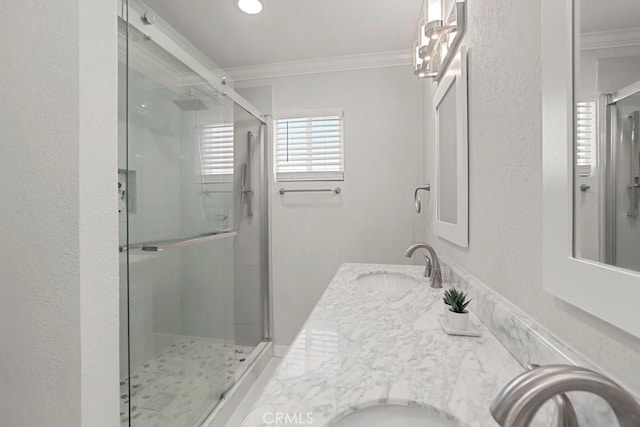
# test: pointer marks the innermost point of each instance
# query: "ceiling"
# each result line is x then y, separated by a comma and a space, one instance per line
292, 30
607, 15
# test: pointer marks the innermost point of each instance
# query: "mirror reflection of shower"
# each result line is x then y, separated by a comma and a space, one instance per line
607, 178
607, 133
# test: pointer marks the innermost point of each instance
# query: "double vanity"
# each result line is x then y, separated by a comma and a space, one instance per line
373, 349
374, 338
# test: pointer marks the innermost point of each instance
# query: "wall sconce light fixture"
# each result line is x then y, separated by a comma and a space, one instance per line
438, 39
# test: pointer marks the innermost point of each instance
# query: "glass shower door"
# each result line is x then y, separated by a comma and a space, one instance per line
177, 175
250, 254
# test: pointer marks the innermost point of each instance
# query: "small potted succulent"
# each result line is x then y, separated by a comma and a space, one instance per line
446, 299
458, 315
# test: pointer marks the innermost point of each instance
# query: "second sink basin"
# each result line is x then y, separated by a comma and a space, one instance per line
393, 416
388, 280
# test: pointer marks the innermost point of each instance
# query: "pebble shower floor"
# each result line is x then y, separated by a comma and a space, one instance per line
176, 387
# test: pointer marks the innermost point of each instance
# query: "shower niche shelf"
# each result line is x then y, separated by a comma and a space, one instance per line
127, 194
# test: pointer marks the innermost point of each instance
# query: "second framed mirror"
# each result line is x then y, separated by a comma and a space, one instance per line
451, 189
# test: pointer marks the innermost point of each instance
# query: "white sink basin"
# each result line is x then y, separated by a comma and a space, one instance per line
387, 280
393, 416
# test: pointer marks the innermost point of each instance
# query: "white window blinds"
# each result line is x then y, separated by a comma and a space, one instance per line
309, 148
216, 148
585, 138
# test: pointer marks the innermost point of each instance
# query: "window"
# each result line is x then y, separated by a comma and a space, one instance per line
216, 148
585, 138
309, 147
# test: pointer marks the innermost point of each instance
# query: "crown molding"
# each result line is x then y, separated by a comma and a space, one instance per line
609, 39
395, 58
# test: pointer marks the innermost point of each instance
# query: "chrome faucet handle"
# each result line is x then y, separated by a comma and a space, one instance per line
565, 412
433, 267
428, 268
518, 402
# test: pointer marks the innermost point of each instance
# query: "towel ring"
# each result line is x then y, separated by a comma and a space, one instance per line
416, 198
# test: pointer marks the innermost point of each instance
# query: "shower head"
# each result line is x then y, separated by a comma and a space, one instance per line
191, 104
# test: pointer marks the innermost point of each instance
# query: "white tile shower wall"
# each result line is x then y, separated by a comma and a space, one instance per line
526, 340
248, 267
505, 182
206, 290
370, 221
248, 270
202, 212
154, 135
205, 282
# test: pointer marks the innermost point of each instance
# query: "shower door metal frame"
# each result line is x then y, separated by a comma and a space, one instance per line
265, 230
145, 20
608, 178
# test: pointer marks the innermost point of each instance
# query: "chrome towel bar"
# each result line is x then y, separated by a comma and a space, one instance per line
336, 190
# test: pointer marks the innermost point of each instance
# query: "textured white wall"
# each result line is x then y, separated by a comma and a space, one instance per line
313, 233
98, 154
505, 181
59, 293
40, 292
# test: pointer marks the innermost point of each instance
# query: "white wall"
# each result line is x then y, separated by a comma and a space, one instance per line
587, 220
505, 181
371, 220
98, 103
59, 272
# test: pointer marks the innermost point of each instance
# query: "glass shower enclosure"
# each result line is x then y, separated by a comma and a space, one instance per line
193, 235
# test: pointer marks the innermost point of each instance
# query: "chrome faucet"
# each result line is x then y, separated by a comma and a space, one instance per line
518, 402
565, 412
432, 269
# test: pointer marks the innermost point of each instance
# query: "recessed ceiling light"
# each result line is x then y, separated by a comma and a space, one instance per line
250, 6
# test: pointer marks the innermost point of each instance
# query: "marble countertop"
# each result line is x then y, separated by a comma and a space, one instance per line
362, 346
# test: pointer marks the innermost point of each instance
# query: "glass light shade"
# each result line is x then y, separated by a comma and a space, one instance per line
251, 7
422, 37
417, 61
434, 10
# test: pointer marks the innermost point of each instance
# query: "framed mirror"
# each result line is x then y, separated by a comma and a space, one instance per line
451, 189
591, 160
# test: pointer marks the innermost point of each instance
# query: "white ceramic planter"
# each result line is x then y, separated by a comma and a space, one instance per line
458, 321
445, 309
